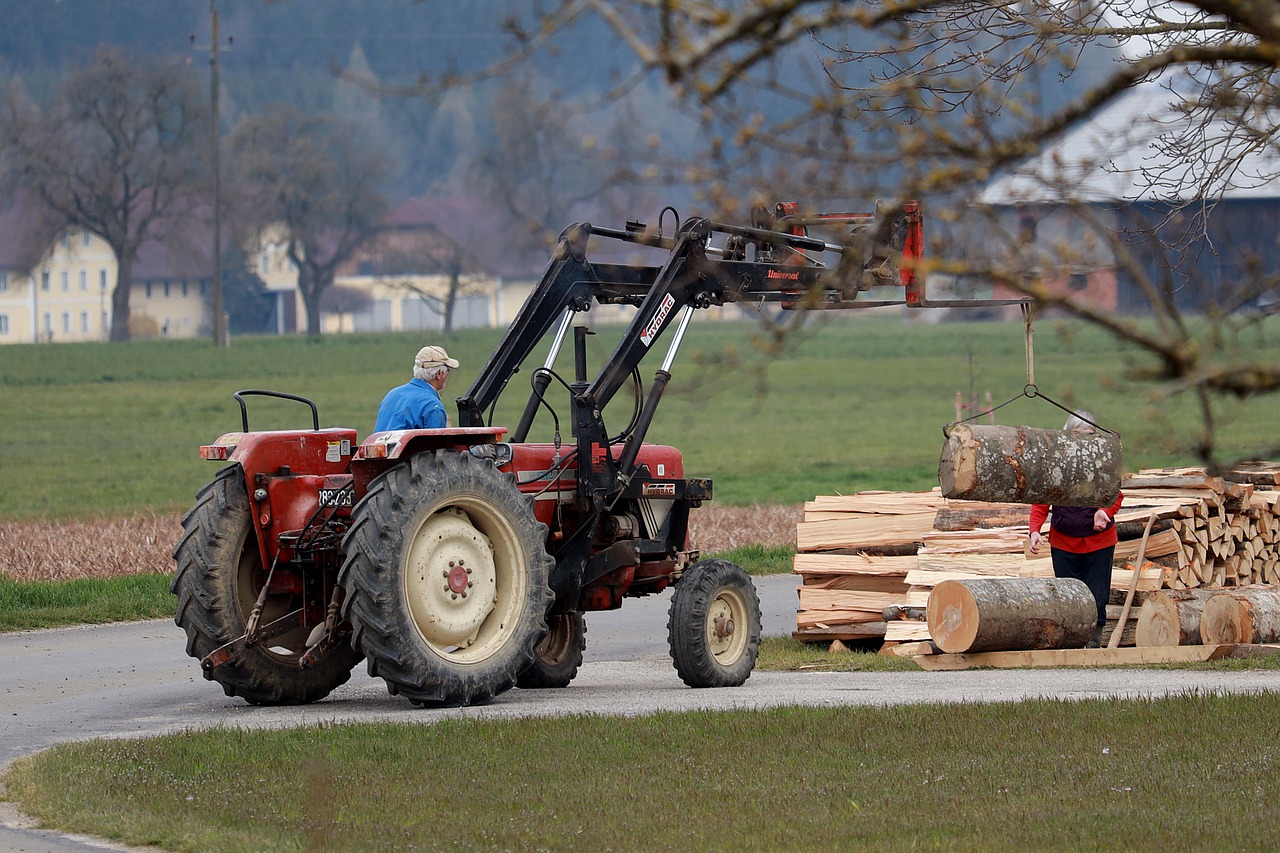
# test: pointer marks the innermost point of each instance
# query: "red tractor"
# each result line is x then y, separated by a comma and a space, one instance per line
459, 564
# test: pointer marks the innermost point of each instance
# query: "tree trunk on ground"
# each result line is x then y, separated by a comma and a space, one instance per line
1005, 614
1244, 615
1023, 465
1171, 617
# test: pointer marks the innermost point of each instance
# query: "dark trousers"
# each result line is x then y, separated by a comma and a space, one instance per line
1093, 568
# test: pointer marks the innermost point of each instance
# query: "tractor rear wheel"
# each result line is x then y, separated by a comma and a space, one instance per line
558, 656
218, 579
714, 625
447, 579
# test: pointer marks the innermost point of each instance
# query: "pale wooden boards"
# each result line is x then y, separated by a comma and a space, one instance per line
1132, 656
1211, 531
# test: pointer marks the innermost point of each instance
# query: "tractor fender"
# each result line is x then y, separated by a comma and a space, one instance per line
381, 450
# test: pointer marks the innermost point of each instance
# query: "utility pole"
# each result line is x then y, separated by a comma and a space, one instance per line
220, 332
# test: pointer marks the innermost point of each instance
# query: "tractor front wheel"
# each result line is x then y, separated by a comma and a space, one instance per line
714, 625
447, 579
558, 656
218, 580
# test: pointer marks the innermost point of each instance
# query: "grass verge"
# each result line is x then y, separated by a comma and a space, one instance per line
1036, 775
761, 559
53, 604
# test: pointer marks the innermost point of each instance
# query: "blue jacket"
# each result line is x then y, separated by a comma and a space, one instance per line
414, 405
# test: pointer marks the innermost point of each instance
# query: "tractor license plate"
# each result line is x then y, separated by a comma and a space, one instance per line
337, 497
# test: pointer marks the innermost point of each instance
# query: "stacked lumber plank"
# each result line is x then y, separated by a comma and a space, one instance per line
868, 561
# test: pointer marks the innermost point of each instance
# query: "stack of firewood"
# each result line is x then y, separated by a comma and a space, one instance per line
868, 561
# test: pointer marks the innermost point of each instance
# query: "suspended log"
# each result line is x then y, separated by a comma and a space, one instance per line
1024, 465
1171, 617
1002, 614
1244, 615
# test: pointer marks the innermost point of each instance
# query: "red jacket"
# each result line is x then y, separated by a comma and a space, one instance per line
1077, 544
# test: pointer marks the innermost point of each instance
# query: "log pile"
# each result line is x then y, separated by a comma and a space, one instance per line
869, 561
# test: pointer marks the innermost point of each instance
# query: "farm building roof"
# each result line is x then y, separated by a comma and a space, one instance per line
1145, 146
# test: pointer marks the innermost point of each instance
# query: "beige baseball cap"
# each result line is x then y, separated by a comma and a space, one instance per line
434, 357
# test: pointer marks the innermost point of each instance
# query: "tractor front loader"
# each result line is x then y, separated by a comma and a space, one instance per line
459, 562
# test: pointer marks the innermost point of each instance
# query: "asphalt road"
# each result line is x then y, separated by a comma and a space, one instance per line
133, 679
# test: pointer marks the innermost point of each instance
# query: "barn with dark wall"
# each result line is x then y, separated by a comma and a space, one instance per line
1111, 210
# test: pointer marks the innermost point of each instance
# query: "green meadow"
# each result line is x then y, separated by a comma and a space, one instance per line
846, 403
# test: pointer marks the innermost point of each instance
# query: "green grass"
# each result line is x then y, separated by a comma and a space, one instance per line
761, 559
1037, 775
783, 654
851, 402
52, 604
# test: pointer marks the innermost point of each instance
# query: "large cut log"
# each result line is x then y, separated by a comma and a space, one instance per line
1002, 614
1019, 464
1244, 615
1171, 617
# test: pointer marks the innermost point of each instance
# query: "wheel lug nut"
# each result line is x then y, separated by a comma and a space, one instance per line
469, 570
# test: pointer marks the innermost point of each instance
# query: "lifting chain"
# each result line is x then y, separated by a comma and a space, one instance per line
1029, 390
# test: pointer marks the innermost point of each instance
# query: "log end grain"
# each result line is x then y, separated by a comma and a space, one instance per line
1157, 623
1223, 621
952, 615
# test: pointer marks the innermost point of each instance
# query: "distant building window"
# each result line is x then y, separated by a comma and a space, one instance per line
166, 290
85, 238
48, 322
1078, 282
84, 321
4, 324
148, 287
66, 280
204, 288
4, 280
102, 279
266, 263
184, 288
84, 280
44, 280
66, 321
64, 240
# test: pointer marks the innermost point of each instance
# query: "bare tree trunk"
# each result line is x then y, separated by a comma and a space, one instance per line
120, 296
1007, 464
451, 300
1004, 614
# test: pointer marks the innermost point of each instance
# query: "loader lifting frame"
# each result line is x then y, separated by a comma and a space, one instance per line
774, 261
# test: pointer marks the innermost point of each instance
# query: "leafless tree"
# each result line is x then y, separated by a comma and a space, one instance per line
527, 172
317, 178
118, 151
936, 99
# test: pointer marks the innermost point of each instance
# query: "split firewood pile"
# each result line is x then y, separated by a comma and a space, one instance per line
869, 561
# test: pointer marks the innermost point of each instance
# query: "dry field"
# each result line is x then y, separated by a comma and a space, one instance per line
44, 551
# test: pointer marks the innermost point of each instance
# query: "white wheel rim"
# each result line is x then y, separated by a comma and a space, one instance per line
727, 627
464, 580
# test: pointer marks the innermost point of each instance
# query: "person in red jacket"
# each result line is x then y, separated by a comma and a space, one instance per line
1082, 540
